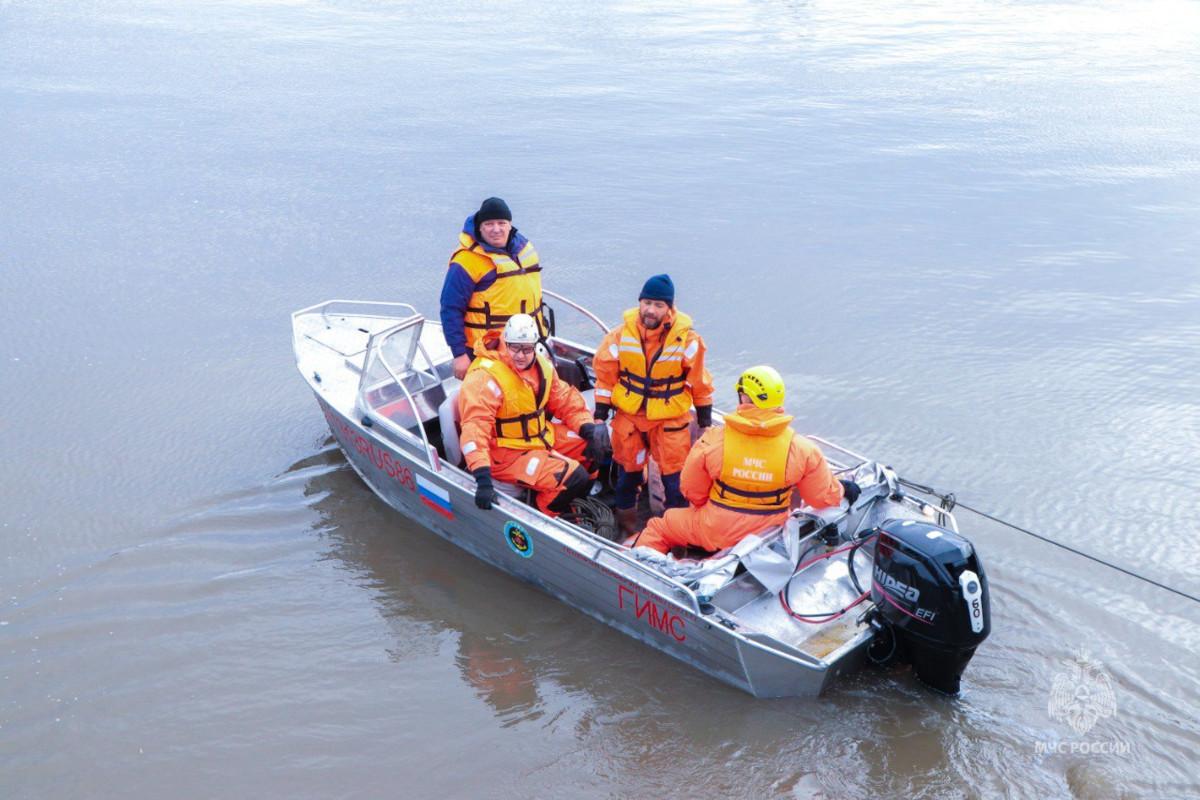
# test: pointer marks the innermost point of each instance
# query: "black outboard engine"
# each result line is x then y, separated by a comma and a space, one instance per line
929, 588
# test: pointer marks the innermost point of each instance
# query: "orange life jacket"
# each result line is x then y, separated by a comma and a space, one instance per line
521, 422
660, 388
516, 290
753, 471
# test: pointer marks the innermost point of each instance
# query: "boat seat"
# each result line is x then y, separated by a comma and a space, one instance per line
451, 427
573, 372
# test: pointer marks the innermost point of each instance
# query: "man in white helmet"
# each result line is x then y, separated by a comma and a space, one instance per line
506, 400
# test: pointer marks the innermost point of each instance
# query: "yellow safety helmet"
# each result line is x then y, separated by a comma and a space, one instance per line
764, 386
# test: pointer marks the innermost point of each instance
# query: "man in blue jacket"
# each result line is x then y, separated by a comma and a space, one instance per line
493, 274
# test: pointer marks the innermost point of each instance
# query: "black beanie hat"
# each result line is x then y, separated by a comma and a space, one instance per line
659, 287
492, 208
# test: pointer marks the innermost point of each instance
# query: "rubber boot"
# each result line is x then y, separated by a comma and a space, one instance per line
674, 497
625, 491
577, 485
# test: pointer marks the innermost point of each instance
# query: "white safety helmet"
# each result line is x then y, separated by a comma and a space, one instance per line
521, 329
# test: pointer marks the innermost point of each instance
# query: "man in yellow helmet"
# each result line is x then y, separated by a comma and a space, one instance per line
739, 477
494, 273
651, 370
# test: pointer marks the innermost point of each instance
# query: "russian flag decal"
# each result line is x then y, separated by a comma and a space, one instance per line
436, 498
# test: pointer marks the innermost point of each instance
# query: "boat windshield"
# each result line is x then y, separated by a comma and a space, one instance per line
397, 372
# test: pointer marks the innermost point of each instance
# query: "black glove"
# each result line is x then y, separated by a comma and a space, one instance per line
599, 446
485, 492
851, 491
602, 411
704, 416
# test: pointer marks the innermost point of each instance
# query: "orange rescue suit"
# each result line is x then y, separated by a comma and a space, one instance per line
521, 421
728, 504
673, 355
516, 290
504, 413
656, 385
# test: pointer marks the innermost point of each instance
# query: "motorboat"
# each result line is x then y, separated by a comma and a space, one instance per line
782, 613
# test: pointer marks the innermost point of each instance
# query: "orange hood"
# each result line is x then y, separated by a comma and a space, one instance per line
754, 421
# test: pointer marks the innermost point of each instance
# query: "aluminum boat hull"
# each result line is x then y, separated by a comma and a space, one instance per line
738, 637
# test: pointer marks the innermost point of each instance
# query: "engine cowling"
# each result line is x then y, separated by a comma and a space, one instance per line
929, 586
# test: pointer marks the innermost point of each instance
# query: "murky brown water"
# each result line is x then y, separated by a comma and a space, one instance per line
966, 233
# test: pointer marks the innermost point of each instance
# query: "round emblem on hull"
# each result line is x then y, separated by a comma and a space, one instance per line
518, 540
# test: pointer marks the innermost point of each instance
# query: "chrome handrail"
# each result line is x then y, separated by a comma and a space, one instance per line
374, 347
323, 308
674, 584
382, 304
861, 458
945, 518
599, 322
429, 451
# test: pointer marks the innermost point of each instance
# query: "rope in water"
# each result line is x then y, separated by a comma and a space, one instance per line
949, 502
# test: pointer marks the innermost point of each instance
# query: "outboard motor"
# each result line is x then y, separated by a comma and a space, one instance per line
929, 588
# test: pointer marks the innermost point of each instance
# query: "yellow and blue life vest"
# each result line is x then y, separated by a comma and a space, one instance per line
517, 288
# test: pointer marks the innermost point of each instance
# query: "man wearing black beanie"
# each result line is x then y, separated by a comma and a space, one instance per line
651, 370
493, 274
